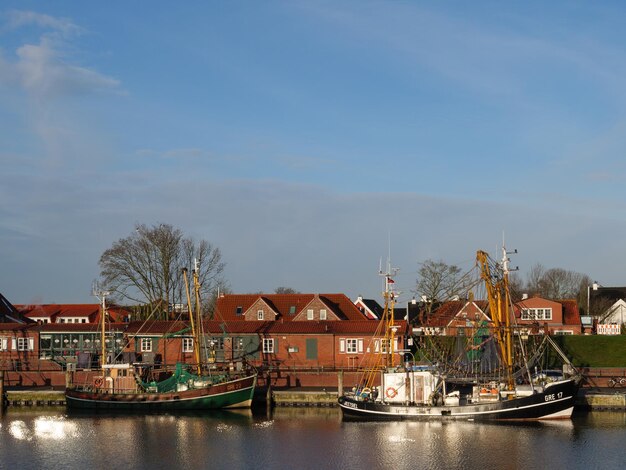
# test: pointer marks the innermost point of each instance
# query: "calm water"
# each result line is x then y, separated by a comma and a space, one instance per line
299, 438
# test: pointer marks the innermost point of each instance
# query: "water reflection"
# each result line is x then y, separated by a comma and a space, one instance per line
303, 438
44, 427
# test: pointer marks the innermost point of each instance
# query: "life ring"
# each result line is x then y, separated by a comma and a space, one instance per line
98, 381
391, 392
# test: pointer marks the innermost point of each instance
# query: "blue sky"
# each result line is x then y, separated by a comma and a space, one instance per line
301, 137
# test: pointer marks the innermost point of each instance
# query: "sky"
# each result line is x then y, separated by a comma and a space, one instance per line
309, 140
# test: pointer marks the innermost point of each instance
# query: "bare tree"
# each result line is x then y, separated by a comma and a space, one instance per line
146, 266
557, 283
438, 282
285, 290
534, 279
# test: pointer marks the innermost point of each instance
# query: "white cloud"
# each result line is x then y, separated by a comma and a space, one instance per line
16, 19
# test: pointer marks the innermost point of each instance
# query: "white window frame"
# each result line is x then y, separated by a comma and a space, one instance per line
24, 344
145, 345
536, 314
268, 345
347, 345
187, 345
323, 314
4, 344
260, 315
310, 314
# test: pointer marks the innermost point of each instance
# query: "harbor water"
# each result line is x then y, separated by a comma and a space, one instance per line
301, 438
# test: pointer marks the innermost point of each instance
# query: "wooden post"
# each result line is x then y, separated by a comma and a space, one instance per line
268, 396
68, 377
2, 401
340, 383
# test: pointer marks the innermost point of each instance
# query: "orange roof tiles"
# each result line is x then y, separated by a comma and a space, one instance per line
232, 307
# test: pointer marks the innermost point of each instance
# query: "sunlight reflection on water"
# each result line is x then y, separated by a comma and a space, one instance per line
303, 439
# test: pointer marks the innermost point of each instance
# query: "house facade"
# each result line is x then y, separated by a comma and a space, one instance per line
534, 315
539, 315
607, 307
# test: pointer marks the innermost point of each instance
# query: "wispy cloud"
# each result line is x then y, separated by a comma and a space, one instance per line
42, 77
17, 19
44, 70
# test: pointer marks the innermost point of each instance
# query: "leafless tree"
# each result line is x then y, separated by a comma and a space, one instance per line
557, 283
146, 267
438, 282
285, 290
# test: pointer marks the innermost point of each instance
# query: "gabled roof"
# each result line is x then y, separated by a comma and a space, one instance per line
227, 306
571, 314
8, 313
448, 311
370, 306
602, 298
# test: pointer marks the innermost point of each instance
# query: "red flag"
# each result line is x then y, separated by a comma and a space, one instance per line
390, 281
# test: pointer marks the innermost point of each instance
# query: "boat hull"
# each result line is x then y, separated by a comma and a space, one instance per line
231, 394
555, 402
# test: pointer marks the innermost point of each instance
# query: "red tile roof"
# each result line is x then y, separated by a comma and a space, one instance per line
16, 326
79, 327
571, 314
227, 305
52, 311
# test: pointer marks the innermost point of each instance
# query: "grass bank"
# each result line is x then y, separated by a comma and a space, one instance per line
594, 351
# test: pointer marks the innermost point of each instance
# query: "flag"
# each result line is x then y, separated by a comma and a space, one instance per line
390, 281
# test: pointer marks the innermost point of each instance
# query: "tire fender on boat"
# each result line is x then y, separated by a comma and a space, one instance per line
391, 392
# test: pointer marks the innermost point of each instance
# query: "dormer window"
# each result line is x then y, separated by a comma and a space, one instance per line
260, 315
239, 310
292, 310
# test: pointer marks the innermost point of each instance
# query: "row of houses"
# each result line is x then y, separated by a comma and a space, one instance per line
297, 331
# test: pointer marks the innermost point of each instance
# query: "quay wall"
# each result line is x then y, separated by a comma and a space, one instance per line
587, 400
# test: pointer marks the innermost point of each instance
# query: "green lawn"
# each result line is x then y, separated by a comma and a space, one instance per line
594, 351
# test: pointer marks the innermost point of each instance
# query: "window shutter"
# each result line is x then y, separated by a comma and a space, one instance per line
31, 344
275, 345
342, 345
360, 345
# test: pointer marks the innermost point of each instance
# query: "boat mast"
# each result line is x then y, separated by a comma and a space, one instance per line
101, 296
194, 334
497, 286
389, 295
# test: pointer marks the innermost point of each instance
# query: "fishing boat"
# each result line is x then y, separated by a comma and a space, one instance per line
119, 386
506, 390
